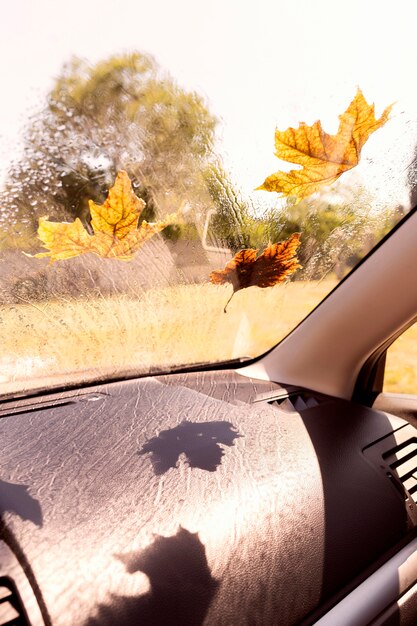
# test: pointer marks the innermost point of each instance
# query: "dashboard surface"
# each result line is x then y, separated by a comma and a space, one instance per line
191, 498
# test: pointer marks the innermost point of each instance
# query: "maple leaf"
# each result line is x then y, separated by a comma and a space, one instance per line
114, 223
323, 157
273, 266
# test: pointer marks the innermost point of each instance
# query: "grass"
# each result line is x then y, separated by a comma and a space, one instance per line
60, 342
401, 364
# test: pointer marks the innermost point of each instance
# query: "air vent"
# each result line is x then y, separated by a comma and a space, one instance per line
12, 612
295, 402
402, 460
291, 401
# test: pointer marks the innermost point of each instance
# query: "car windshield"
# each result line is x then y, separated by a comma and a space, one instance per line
182, 183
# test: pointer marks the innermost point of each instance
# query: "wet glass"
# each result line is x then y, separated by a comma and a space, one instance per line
188, 108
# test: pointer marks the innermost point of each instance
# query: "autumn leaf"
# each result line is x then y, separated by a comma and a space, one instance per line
273, 266
323, 157
114, 223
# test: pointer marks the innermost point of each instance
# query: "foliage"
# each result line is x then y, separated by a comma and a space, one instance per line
238, 222
114, 224
412, 179
323, 157
231, 224
337, 231
276, 263
122, 113
187, 231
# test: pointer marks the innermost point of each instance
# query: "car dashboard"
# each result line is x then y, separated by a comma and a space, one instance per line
204, 498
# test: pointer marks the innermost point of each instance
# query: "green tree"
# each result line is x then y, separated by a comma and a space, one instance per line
235, 224
122, 113
337, 231
412, 179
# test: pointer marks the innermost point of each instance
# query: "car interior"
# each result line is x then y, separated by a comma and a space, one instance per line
198, 420
280, 492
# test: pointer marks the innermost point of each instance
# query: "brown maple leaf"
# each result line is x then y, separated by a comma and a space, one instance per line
323, 157
114, 223
276, 263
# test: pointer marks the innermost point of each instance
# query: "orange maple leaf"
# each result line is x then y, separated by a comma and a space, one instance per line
323, 157
276, 263
114, 223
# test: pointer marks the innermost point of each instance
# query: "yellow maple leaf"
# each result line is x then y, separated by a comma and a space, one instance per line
323, 157
114, 223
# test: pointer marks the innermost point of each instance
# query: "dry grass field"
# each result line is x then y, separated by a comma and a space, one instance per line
401, 364
74, 340
57, 342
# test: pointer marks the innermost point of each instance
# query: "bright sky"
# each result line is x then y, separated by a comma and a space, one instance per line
261, 65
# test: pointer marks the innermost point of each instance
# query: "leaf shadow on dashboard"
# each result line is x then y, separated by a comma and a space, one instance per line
181, 585
199, 442
15, 498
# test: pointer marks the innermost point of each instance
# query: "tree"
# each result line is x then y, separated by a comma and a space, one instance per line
239, 222
122, 113
337, 229
230, 225
412, 179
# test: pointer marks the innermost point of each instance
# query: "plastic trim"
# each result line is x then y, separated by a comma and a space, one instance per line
379, 591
